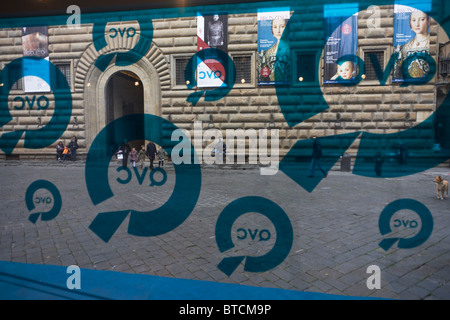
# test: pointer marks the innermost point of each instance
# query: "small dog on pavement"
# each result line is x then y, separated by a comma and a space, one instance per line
441, 187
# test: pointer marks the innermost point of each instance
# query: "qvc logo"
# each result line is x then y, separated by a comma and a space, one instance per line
210, 74
426, 224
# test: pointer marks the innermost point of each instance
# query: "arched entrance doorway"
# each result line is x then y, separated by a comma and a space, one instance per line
95, 83
124, 95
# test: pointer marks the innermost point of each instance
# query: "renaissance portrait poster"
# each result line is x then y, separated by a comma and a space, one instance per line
341, 29
411, 38
273, 55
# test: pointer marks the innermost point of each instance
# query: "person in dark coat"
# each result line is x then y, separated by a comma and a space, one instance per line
59, 150
125, 152
73, 146
151, 152
378, 164
402, 153
316, 156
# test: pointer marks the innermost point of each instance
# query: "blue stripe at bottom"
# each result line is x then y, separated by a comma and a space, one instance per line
20, 281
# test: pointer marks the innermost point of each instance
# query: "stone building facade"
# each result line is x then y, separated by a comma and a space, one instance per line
366, 107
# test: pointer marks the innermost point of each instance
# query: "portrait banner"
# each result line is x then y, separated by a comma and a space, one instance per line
273, 55
341, 27
411, 39
212, 32
35, 44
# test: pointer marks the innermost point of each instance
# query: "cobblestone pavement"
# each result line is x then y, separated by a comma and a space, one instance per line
335, 229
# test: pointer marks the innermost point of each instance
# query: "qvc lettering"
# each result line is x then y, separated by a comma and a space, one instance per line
129, 31
210, 74
412, 224
264, 234
43, 200
42, 102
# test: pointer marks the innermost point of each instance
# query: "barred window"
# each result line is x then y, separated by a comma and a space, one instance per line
370, 70
243, 65
306, 67
65, 70
14, 72
180, 68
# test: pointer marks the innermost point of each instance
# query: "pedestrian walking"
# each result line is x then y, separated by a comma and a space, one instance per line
141, 156
161, 157
378, 163
316, 157
219, 151
125, 152
151, 152
402, 153
133, 157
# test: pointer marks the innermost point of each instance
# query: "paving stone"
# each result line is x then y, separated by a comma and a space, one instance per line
442, 293
336, 283
336, 234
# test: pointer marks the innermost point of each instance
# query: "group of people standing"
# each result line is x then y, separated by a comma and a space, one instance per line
62, 151
151, 152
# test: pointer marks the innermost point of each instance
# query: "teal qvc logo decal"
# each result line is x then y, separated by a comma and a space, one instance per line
228, 83
142, 223
122, 58
283, 228
45, 135
31, 201
299, 102
419, 238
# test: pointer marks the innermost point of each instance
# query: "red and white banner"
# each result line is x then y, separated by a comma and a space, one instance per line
212, 32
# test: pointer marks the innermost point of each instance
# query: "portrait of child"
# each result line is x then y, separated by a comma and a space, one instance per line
345, 70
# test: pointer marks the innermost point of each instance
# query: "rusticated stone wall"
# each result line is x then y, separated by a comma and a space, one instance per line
367, 106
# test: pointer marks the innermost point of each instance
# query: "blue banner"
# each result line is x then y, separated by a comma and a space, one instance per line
341, 27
